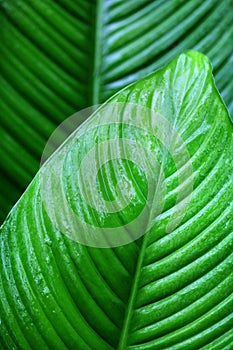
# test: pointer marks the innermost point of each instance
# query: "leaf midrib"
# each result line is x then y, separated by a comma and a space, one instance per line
97, 49
131, 302
128, 313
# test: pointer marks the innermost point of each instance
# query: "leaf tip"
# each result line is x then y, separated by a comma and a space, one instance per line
199, 57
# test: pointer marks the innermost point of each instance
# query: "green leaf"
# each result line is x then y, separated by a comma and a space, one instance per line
58, 57
169, 289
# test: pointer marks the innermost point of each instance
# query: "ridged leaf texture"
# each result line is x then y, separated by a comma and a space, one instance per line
60, 56
166, 290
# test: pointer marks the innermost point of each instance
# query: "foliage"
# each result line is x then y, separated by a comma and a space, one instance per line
58, 57
166, 290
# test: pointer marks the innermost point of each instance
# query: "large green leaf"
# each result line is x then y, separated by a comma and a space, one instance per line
170, 289
60, 56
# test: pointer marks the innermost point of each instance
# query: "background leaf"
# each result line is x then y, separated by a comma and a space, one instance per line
60, 56
163, 291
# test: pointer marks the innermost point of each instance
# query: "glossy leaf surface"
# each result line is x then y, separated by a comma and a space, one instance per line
166, 290
58, 57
